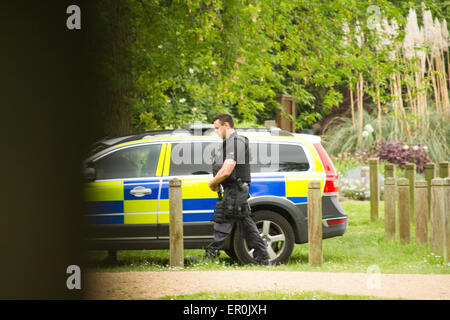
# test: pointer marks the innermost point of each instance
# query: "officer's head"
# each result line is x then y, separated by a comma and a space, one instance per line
224, 125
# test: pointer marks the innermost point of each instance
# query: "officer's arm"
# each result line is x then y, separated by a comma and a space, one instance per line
224, 172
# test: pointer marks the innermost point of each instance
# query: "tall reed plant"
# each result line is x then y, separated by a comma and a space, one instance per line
434, 133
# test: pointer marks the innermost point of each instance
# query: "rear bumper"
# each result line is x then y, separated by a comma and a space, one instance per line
334, 218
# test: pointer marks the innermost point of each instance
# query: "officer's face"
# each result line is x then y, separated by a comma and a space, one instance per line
220, 129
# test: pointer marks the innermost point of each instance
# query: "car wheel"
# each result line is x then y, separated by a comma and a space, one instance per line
276, 232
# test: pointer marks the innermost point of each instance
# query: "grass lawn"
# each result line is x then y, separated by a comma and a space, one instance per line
271, 295
361, 249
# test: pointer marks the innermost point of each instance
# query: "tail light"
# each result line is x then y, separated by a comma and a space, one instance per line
330, 170
332, 222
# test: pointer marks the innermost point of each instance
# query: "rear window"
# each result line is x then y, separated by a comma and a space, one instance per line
277, 158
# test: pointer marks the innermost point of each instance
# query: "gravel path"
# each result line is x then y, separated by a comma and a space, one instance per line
154, 285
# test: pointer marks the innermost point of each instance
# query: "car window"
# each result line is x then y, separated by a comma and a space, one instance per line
133, 162
277, 158
192, 158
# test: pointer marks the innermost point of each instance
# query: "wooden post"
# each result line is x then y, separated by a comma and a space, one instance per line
403, 210
176, 224
287, 106
315, 223
374, 189
389, 208
430, 173
389, 170
437, 216
410, 174
444, 169
447, 221
421, 212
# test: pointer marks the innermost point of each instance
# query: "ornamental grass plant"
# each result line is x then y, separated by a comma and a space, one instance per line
433, 139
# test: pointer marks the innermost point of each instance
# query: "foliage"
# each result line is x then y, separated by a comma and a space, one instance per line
345, 161
400, 153
341, 136
197, 58
168, 62
355, 190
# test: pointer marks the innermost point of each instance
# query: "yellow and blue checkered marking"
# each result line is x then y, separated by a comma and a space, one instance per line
117, 205
111, 202
195, 209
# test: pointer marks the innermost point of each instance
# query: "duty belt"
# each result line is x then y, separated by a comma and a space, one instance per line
232, 204
239, 183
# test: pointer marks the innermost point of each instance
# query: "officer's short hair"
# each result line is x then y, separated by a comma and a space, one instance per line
225, 118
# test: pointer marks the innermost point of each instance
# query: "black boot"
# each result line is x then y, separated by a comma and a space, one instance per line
211, 255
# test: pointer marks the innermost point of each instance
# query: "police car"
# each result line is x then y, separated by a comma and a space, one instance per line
127, 190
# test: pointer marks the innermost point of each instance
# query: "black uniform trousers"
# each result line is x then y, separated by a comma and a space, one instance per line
242, 222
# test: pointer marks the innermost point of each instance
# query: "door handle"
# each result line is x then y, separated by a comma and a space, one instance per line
140, 191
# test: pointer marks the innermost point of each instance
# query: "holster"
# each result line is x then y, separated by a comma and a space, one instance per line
235, 201
219, 214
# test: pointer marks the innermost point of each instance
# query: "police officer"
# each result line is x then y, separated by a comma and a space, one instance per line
231, 171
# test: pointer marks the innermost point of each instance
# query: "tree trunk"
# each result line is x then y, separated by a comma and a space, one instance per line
117, 89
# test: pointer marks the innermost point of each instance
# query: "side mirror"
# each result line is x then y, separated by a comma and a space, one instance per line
89, 174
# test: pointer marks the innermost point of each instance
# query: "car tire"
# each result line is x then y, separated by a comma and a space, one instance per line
276, 232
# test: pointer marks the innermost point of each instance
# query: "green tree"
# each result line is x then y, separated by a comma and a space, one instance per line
175, 61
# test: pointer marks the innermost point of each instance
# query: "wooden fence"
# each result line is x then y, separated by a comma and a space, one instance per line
424, 203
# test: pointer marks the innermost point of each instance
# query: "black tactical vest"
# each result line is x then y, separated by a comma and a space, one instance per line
237, 147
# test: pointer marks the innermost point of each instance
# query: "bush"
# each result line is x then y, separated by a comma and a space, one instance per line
355, 190
400, 153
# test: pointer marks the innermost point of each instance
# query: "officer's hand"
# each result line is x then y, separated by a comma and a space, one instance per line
214, 187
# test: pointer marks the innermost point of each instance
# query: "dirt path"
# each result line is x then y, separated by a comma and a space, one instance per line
153, 285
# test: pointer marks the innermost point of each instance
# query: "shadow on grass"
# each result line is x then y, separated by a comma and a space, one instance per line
150, 259
123, 258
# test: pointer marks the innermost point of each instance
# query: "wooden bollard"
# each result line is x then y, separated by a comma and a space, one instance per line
430, 174
176, 224
315, 224
421, 212
410, 174
389, 208
403, 210
374, 189
437, 216
447, 221
389, 170
444, 170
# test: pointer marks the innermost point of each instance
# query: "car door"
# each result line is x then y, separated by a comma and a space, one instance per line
282, 170
190, 161
122, 203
